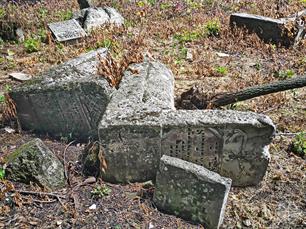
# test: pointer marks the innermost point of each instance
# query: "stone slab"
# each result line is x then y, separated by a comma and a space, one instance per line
268, 29
67, 30
231, 143
66, 101
141, 124
146, 93
190, 191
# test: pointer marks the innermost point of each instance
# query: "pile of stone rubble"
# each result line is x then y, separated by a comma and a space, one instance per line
193, 156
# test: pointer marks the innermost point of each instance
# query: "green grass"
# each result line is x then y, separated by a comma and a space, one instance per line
299, 144
32, 45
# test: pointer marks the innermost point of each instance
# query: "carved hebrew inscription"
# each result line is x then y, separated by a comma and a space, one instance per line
202, 146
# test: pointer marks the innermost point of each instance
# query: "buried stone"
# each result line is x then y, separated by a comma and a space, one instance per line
65, 101
191, 192
34, 162
268, 29
140, 125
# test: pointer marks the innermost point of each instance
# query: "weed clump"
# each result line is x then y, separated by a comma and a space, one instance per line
298, 145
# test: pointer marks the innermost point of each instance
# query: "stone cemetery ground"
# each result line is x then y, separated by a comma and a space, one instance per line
194, 40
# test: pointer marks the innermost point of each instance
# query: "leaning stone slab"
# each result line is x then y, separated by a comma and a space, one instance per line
67, 100
67, 30
190, 191
234, 144
268, 29
34, 162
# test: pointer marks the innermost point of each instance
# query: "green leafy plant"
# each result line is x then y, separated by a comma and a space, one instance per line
284, 74
299, 144
32, 45
221, 70
2, 173
212, 27
188, 36
101, 191
2, 98
2, 12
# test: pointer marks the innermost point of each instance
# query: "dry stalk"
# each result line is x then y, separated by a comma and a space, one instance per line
112, 69
10, 111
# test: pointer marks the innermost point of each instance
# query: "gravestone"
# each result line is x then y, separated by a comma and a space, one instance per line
141, 124
191, 192
268, 29
67, 30
68, 100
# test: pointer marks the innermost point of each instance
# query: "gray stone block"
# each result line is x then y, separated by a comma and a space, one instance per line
190, 191
268, 29
231, 143
96, 17
136, 148
67, 100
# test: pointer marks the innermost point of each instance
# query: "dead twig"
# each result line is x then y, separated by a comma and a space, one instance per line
65, 167
39, 193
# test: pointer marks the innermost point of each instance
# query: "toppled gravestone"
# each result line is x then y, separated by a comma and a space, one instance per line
67, 30
34, 162
268, 29
140, 125
191, 192
66, 101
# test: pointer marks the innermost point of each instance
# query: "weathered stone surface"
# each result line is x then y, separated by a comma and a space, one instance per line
266, 28
67, 100
34, 162
191, 192
141, 124
67, 30
231, 143
96, 17
146, 93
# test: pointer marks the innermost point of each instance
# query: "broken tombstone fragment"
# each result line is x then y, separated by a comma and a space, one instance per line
67, 30
68, 100
141, 124
34, 162
268, 29
190, 191
93, 18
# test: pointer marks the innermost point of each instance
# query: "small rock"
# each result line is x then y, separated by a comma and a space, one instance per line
189, 55
20, 76
247, 222
221, 54
93, 207
9, 130
58, 223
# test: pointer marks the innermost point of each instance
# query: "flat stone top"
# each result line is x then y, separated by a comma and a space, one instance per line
183, 118
201, 172
80, 69
258, 17
67, 30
